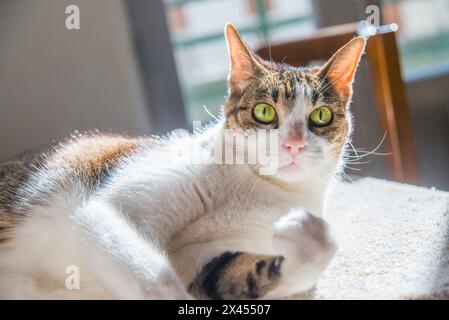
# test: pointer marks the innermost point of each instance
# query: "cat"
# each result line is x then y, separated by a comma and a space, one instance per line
110, 216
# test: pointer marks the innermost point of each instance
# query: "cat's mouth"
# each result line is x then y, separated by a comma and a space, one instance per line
292, 166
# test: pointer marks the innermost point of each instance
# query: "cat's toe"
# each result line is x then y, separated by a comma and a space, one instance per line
274, 268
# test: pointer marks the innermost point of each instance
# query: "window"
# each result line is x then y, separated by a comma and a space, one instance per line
197, 35
423, 34
200, 50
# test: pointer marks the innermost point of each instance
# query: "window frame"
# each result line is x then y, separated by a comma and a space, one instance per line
148, 25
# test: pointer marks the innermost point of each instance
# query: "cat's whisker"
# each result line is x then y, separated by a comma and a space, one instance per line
333, 178
373, 152
357, 162
270, 57
351, 168
360, 154
210, 113
353, 148
345, 176
280, 67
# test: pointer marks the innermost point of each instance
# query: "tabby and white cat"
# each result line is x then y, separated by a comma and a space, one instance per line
138, 221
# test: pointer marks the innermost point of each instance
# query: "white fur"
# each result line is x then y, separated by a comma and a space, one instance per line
146, 233
305, 243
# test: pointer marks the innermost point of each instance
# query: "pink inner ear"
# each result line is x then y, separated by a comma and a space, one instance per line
342, 79
344, 65
242, 64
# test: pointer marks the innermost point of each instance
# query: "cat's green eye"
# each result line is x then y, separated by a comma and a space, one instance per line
320, 117
264, 113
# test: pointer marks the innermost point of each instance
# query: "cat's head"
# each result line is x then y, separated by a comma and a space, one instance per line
309, 107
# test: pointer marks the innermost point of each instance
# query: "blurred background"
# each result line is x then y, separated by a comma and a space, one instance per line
148, 66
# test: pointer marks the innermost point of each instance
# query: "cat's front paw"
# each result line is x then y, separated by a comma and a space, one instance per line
305, 243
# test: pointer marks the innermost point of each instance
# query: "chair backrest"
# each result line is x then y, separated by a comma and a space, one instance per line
385, 81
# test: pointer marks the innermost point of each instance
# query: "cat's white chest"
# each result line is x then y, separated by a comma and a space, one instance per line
244, 225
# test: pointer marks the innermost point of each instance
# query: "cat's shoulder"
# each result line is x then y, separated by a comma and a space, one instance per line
94, 153
86, 157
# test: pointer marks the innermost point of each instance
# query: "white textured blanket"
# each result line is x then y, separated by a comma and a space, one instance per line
393, 242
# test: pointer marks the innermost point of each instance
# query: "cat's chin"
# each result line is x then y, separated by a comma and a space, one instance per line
290, 173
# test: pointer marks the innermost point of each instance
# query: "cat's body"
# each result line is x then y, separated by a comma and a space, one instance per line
195, 212
139, 220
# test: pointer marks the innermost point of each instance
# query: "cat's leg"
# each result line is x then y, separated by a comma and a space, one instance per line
237, 275
127, 265
305, 242
305, 249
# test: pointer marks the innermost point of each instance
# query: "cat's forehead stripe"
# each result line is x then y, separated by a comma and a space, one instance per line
275, 94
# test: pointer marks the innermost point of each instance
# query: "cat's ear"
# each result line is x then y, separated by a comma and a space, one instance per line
243, 64
339, 71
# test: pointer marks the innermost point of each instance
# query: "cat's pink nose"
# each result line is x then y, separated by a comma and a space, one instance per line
294, 144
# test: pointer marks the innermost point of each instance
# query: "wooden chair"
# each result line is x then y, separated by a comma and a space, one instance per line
385, 72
